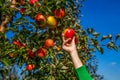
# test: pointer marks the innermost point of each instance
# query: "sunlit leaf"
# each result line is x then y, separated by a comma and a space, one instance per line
96, 34
110, 36
104, 37
115, 48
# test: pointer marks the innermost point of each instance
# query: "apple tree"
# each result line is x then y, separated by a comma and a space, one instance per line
30, 40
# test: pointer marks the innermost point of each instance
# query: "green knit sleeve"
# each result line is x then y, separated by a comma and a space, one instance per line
82, 74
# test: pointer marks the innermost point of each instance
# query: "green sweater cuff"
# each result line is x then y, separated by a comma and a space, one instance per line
82, 74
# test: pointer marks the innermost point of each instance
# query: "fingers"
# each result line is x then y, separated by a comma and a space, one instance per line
66, 41
63, 38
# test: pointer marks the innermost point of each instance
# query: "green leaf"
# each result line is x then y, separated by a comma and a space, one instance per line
110, 45
110, 36
95, 42
104, 37
115, 48
0, 3
90, 30
100, 49
5, 62
96, 34
58, 2
117, 37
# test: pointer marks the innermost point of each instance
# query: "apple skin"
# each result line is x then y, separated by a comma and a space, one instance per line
32, 1
40, 20
22, 46
17, 43
59, 13
41, 52
22, 2
51, 22
29, 67
22, 10
69, 33
30, 53
49, 43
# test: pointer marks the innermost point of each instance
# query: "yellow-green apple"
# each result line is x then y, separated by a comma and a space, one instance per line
51, 22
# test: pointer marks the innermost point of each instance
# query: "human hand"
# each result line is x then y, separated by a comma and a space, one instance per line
68, 44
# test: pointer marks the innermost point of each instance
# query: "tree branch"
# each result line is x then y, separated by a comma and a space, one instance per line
7, 18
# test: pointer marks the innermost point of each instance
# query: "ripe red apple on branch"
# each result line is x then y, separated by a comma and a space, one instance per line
59, 13
22, 2
32, 1
30, 67
30, 53
17, 43
40, 20
49, 43
22, 10
41, 52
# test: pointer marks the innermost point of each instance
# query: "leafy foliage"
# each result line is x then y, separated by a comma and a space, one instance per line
57, 63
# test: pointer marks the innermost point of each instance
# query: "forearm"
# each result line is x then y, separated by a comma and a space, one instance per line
80, 70
75, 59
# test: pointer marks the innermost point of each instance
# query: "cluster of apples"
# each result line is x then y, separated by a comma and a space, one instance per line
34, 3
41, 52
42, 20
50, 21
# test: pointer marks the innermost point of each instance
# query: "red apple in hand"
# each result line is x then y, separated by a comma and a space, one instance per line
59, 13
69, 33
40, 20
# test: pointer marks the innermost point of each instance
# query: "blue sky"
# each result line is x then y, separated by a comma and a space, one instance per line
104, 17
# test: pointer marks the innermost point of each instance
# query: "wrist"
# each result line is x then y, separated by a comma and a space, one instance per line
75, 59
73, 52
